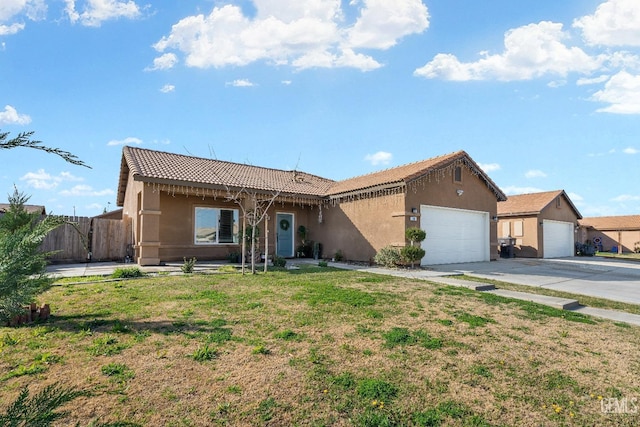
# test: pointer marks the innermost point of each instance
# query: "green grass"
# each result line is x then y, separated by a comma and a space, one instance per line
317, 346
583, 299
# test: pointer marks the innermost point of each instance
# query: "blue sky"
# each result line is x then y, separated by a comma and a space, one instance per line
544, 95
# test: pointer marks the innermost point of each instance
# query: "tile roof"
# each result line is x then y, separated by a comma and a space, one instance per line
404, 174
532, 203
623, 222
4, 207
168, 168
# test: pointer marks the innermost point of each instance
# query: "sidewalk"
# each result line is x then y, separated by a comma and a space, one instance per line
442, 277
448, 278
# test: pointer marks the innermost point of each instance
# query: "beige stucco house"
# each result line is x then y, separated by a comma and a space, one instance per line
611, 233
542, 224
183, 206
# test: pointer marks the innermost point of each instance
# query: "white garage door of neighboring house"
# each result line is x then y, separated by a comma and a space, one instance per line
454, 235
557, 239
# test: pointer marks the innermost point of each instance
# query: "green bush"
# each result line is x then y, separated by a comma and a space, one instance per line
412, 254
188, 265
279, 261
22, 264
388, 256
127, 273
415, 234
338, 256
323, 264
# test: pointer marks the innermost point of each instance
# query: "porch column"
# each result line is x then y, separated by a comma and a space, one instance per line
149, 217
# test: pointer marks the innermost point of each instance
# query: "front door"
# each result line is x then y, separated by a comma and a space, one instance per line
284, 235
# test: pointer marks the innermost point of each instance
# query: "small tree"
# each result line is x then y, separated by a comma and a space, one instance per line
22, 265
413, 253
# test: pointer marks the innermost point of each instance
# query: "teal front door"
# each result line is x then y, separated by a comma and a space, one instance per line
284, 235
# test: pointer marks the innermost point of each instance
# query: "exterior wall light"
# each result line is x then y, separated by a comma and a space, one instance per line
460, 192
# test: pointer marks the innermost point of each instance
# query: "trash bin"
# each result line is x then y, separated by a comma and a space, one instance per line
507, 247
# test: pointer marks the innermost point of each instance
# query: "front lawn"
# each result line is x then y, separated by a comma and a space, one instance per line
319, 347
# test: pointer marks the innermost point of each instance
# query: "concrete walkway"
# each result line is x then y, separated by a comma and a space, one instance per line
447, 277
443, 276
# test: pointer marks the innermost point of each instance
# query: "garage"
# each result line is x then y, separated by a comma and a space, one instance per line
454, 235
558, 240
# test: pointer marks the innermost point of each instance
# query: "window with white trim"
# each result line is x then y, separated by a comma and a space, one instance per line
214, 226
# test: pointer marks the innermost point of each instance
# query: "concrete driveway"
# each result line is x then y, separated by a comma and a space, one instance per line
593, 276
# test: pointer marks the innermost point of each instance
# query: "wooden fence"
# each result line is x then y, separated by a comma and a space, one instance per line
84, 239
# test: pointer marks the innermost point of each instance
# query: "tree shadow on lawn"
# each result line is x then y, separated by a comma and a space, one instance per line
95, 323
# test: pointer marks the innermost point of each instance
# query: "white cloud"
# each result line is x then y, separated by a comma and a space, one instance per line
626, 198
286, 82
614, 23
514, 190
11, 116
86, 190
379, 158
576, 198
167, 88
34, 10
489, 167
631, 150
530, 51
557, 83
45, 181
382, 23
95, 207
163, 62
131, 140
622, 92
7, 30
241, 83
535, 173
302, 34
591, 81
95, 12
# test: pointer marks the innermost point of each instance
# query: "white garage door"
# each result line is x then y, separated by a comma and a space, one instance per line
454, 235
557, 239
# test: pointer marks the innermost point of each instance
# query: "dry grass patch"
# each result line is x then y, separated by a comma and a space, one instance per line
318, 347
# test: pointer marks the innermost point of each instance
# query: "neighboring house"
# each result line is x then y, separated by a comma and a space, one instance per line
611, 233
542, 224
4, 207
182, 206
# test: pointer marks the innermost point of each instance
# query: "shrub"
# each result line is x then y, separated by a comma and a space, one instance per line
323, 264
279, 261
22, 264
338, 256
412, 254
188, 265
234, 257
636, 247
388, 256
415, 234
127, 273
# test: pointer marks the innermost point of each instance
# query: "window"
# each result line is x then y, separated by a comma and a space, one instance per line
457, 174
213, 226
518, 228
506, 229
558, 202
